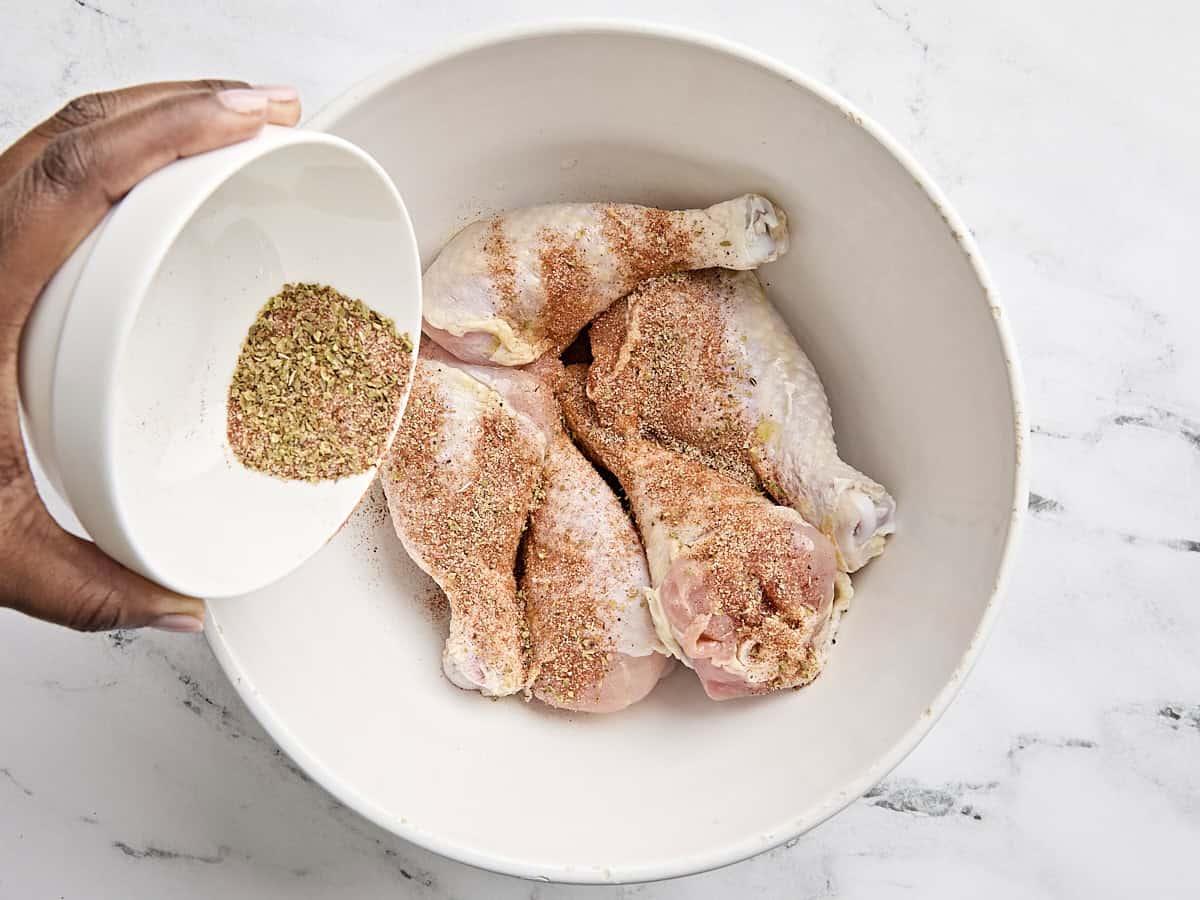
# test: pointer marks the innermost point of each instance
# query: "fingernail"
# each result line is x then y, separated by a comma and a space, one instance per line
279, 93
178, 622
243, 100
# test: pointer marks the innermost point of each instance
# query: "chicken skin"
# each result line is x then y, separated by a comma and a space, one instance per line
595, 648
743, 589
593, 644
703, 362
509, 289
460, 481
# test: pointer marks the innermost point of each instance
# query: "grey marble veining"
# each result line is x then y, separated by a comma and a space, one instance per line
1066, 136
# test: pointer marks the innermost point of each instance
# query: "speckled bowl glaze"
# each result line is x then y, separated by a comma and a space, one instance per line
886, 291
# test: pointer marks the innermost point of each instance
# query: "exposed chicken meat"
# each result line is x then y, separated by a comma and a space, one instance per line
511, 288
743, 589
703, 362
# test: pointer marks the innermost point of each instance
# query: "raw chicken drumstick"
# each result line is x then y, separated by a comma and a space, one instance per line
585, 582
508, 289
743, 589
460, 481
593, 644
703, 362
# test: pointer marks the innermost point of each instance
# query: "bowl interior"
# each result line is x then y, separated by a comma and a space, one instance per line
301, 212
885, 300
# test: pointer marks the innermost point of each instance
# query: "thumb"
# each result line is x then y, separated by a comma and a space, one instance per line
63, 579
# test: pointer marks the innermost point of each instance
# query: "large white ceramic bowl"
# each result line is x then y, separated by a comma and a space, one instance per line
127, 358
885, 290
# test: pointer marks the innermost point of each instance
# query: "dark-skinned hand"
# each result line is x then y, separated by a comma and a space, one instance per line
56, 184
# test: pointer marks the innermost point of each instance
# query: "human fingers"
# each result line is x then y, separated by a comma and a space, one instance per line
91, 108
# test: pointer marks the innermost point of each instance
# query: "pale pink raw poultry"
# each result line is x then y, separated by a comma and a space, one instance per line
593, 643
508, 289
460, 480
704, 363
743, 588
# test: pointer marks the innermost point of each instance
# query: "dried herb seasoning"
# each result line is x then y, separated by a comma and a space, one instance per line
317, 386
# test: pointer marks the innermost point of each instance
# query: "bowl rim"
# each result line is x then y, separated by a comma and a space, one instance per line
97, 328
838, 799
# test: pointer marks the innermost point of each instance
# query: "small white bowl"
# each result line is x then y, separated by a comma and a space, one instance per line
884, 288
127, 359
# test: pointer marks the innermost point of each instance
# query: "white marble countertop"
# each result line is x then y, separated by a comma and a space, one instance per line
1068, 767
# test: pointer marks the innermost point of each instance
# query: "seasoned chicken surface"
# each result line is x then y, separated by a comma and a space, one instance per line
593, 644
508, 289
743, 589
460, 481
704, 363
585, 581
